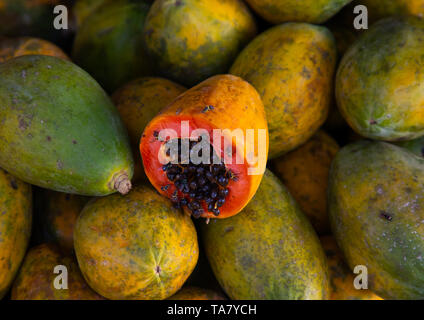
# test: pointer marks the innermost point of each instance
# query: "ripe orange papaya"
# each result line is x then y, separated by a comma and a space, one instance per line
136, 246
16, 47
138, 102
15, 226
292, 67
192, 40
304, 172
38, 276
214, 175
194, 293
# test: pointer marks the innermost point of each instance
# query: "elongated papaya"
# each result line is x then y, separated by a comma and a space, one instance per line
59, 130
292, 67
138, 102
376, 209
267, 251
135, 247
208, 149
192, 40
109, 44
23, 46
15, 226
38, 277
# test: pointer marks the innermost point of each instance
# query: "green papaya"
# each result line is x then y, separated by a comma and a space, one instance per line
380, 81
15, 226
416, 146
269, 250
376, 208
109, 44
59, 130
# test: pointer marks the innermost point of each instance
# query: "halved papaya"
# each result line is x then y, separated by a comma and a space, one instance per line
209, 121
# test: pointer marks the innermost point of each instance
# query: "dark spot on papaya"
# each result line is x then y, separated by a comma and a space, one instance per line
74, 141
23, 124
178, 3
228, 229
105, 31
385, 215
372, 122
13, 184
158, 270
49, 138
59, 165
306, 73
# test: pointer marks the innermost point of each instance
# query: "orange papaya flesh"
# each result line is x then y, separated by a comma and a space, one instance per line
221, 102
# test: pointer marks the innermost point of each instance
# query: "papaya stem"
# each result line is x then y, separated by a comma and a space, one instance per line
122, 184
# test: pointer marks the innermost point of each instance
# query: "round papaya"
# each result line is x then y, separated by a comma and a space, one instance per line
304, 172
136, 246
207, 150
283, 63
59, 217
376, 209
416, 146
312, 11
15, 226
342, 279
192, 40
16, 47
194, 293
47, 274
267, 251
138, 102
378, 9
109, 44
59, 130
379, 82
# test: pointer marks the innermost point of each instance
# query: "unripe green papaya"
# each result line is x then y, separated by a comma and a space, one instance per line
416, 146
59, 130
15, 226
376, 208
269, 250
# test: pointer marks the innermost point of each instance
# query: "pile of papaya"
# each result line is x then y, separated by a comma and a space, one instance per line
211, 150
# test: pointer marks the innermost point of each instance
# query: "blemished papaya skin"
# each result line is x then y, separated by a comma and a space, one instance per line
59, 216
222, 102
194, 293
379, 83
312, 11
59, 130
304, 172
36, 279
138, 102
378, 9
82, 9
270, 226
416, 146
139, 237
342, 278
23, 46
192, 40
109, 44
15, 226
283, 63
376, 209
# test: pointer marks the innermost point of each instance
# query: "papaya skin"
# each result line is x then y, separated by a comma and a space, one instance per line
135, 247
379, 86
66, 134
312, 11
15, 226
415, 146
236, 105
342, 278
304, 172
194, 293
138, 102
109, 44
192, 40
84, 8
378, 9
270, 226
283, 63
60, 216
376, 209
36, 278
16, 47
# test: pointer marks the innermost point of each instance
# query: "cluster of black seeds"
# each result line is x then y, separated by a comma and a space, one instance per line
197, 183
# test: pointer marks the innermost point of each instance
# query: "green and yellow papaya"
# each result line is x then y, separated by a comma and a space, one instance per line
283, 64
15, 226
378, 9
135, 247
416, 146
59, 130
269, 250
192, 40
376, 209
